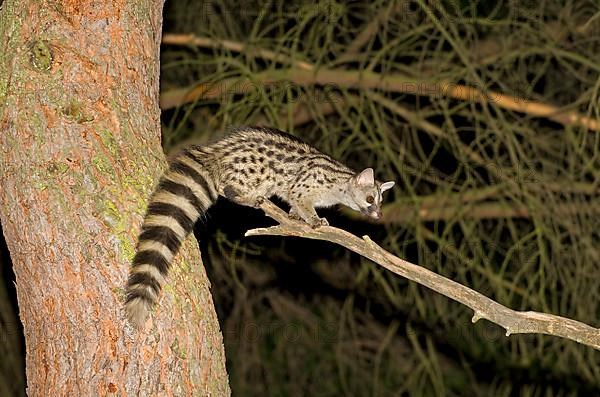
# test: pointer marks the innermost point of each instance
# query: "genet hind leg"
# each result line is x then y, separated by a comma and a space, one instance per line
247, 200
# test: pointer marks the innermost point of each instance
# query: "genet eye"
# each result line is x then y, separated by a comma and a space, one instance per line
370, 199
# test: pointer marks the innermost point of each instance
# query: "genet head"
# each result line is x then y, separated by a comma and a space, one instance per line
366, 193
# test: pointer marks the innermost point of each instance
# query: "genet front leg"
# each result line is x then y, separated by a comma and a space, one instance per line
304, 210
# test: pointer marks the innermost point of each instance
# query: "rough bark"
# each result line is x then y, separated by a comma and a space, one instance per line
79, 155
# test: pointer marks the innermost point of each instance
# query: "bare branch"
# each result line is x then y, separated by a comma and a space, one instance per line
235, 46
370, 80
514, 322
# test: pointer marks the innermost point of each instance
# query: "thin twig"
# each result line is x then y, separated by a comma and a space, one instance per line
369, 31
408, 213
301, 112
514, 322
419, 122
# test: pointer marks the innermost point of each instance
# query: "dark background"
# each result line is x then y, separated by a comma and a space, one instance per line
512, 199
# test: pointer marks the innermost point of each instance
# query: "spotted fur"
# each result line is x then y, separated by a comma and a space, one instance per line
247, 166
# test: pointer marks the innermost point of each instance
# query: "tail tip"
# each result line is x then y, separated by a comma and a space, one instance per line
136, 311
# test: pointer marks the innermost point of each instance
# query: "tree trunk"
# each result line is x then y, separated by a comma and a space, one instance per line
79, 156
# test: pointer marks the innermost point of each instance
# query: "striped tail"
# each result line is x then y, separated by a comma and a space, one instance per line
184, 193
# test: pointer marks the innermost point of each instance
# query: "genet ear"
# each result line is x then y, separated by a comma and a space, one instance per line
387, 186
366, 178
